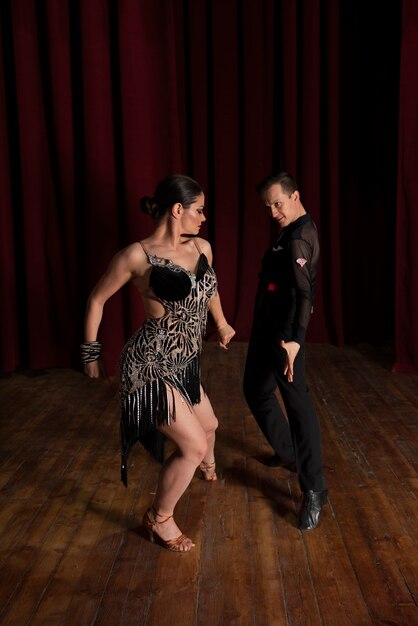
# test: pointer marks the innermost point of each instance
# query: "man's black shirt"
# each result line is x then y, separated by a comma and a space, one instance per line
287, 281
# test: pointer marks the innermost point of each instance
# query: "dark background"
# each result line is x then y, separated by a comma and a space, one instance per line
100, 99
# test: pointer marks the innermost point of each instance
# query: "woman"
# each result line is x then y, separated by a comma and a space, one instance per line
161, 394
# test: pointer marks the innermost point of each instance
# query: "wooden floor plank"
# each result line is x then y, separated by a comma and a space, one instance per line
72, 550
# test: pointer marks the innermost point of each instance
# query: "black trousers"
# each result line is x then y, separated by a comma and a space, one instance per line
297, 438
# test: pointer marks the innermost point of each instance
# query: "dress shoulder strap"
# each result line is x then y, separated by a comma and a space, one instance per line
197, 246
154, 260
144, 249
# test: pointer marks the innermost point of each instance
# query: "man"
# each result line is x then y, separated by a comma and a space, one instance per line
275, 356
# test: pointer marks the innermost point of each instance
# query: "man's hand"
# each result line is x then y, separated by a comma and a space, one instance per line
292, 348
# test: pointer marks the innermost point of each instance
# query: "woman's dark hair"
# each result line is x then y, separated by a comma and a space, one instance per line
284, 179
172, 189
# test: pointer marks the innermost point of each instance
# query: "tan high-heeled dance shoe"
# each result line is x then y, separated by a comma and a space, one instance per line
208, 470
171, 544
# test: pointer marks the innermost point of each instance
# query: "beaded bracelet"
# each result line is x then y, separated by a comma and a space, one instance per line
90, 351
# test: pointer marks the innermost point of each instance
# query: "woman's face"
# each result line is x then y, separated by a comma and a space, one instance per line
193, 217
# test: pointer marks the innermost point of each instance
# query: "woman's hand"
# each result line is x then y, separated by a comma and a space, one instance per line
225, 332
292, 348
92, 369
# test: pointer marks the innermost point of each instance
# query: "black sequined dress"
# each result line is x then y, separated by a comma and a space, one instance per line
164, 354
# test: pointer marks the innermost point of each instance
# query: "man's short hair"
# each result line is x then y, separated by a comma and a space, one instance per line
284, 179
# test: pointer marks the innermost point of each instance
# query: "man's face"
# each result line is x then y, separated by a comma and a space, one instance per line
284, 208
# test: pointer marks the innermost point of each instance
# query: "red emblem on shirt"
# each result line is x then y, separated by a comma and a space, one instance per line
301, 261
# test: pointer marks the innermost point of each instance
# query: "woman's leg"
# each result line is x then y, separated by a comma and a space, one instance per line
177, 472
206, 416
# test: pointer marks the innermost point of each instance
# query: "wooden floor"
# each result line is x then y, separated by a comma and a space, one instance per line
72, 550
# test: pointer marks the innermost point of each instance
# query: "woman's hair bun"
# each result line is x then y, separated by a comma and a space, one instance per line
172, 189
148, 206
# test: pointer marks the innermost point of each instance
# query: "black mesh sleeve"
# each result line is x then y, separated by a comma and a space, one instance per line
304, 260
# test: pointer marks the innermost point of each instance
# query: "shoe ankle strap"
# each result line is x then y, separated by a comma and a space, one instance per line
159, 515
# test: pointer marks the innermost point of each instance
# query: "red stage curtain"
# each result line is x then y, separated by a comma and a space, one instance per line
9, 329
407, 213
103, 98
255, 76
92, 95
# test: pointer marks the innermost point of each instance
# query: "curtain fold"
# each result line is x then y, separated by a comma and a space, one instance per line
103, 98
406, 319
36, 225
9, 326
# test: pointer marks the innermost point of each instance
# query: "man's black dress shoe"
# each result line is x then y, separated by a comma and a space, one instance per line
313, 502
